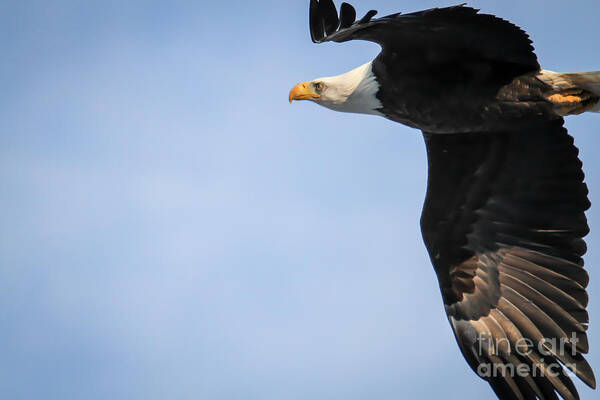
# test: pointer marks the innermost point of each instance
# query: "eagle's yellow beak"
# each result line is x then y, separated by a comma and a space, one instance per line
303, 91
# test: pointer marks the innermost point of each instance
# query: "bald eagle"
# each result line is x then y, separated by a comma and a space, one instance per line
504, 215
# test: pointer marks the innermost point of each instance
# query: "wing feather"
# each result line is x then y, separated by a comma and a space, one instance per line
463, 28
507, 244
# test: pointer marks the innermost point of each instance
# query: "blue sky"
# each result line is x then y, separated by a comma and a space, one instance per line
174, 229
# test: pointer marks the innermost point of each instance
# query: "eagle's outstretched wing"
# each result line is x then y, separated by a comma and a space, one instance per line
503, 222
437, 34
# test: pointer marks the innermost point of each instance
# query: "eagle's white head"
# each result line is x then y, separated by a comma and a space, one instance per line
353, 92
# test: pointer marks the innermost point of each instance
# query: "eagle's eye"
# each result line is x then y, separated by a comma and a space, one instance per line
319, 87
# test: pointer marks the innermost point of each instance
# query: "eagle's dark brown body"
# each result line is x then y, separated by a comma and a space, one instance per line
479, 101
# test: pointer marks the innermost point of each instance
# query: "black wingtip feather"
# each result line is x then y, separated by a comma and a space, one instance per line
368, 17
347, 15
330, 17
317, 31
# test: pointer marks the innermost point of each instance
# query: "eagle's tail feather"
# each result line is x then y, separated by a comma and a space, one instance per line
573, 93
